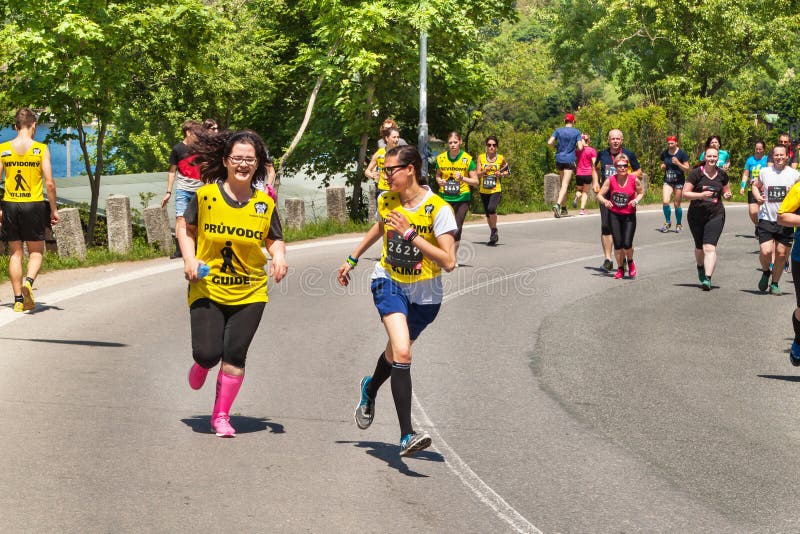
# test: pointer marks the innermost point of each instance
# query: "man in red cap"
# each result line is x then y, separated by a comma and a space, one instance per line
675, 164
568, 139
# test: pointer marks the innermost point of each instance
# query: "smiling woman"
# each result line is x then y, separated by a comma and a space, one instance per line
225, 226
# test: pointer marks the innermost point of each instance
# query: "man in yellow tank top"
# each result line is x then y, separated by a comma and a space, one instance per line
25, 171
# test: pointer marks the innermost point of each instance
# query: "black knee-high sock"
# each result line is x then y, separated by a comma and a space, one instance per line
796, 325
401, 391
382, 371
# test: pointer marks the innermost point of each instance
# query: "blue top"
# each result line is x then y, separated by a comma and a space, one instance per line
753, 163
723, 157
567, 139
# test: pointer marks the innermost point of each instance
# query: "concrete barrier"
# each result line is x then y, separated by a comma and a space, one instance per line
337, 204
372, 202
118, 219
156, 223
69, 234
294, 210
552, 185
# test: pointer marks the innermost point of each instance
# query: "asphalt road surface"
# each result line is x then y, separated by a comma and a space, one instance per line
558, 398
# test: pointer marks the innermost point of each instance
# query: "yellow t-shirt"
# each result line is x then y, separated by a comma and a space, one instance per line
463, 164
23, 181
383, 185
403, 261
491, 168
229, 241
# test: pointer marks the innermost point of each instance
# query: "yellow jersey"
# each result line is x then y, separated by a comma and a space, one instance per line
491, 183
380, 157
23, 180
229, 241
462, 164
403, 261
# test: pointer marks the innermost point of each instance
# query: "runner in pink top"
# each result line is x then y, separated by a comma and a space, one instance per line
585, 173
621, 194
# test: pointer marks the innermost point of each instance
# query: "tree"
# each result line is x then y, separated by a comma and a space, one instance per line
82, 61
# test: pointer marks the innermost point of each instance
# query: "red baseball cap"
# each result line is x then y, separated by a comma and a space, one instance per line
569, 117
672, 138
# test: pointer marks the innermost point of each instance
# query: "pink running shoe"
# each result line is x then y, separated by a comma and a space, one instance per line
222, 426
619, 274
631, 269
582, 212
197, 376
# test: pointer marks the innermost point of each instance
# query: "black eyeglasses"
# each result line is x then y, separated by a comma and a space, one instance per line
389, 171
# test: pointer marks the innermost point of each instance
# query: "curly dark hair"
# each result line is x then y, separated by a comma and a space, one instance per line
213, 147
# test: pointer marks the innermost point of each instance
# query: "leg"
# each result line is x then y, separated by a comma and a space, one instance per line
780, 259
677, 203
709, 258
566, 177
666, 193
35, 255
15, 266
400, 349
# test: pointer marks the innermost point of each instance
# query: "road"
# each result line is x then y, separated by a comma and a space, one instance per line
559, 399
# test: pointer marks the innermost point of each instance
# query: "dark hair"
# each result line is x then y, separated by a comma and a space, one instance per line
409, 155
392, 124
388, 131
209, 124
454, 133
493, 138
212, 148
190, 126
763, 144
24, 118
718, 138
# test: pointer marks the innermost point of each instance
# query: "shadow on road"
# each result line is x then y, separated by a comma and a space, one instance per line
84, 342
242, 424
389, 453
787, 378
695, 286
40, 307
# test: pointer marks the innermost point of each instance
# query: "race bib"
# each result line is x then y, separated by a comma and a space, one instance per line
401, 253
609, 171
451, 188
671, 176
714, 189
776, 193
489, 181
620, 200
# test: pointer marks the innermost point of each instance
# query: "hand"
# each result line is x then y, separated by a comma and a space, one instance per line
398, 221
608, 204
167, 196
457, 176
675, 160
596, 188
727, 195
343, 275
741, 191
54, 217
271, 192
190, 265
278, 267
706, 194
633, 203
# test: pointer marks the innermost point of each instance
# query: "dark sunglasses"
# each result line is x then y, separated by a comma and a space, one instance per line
491, 144
389, 171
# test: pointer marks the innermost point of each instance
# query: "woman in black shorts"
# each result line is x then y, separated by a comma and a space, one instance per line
226, 224
491, 168
706, 186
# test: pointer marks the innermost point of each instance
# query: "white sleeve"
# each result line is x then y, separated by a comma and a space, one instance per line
445, 221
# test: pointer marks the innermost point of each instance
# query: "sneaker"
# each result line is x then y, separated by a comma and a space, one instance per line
608, 265
794, 354
631, 269
413, 443
774, 289
563, 211
666, 227
706, 283
493, 238
27, 296
197, 376
222, 426
582, 212
701, 273
574, 203
556, 211
18, 307
763, 282
619, 274
365, 411
787, 267
678, 228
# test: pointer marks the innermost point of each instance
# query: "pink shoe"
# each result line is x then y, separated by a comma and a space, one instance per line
582, 212
619, 274
197, 376
221, 424
631, 269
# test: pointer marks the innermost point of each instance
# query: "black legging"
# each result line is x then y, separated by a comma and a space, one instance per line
223, 332
605, 225
490, 202
623, 227
460, 209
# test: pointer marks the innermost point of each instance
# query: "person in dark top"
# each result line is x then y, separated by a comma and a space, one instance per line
674, 163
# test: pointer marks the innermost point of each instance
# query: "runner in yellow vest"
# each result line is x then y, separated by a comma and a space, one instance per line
375, 168
226, 224
455, 172
416, 228
491, 168
26, 165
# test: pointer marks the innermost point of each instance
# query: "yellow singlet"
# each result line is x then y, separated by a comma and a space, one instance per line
383, 185
229, 241
23, 181
462, 164
403, 261
491, 168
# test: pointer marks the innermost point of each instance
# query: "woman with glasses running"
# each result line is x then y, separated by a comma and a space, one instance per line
225, 226
491, 168
621, 193
416, 228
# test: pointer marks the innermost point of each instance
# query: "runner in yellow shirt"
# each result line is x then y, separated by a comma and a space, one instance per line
456, 171
491, 168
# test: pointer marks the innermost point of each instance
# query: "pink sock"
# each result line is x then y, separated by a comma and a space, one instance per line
227, 389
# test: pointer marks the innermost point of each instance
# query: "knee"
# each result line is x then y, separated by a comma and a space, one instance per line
402, 354
206, 357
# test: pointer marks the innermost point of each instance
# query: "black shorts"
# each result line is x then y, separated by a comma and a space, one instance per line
565, 166
750, 198
490, 202
769, 231
623, 228
705, 230
605, 220
583, 179
676, 185
25, 221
